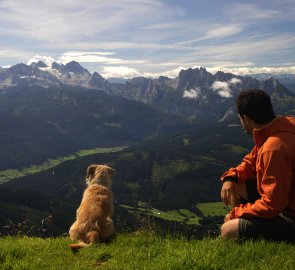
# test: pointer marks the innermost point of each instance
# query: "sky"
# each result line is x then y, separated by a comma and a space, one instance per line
130, 38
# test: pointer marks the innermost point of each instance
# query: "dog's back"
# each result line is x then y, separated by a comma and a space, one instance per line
96, 205
94, 223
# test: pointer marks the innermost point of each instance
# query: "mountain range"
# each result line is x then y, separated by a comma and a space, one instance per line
195, 94
287, 80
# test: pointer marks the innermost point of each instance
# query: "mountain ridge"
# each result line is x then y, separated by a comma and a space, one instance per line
191, 95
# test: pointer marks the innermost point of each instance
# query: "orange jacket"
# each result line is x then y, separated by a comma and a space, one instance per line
272, 162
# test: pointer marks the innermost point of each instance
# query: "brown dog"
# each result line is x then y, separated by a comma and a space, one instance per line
94, 222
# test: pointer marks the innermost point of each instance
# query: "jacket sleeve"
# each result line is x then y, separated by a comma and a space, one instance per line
275, 172
246, 170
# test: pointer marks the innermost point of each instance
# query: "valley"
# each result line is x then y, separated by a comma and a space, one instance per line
169, 141
171, 175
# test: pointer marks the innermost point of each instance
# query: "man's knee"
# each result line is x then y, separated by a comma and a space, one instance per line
230, 229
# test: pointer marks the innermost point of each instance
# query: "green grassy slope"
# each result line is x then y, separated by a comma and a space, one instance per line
145, 250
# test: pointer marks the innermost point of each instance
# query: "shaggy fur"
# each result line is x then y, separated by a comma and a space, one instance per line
94, 222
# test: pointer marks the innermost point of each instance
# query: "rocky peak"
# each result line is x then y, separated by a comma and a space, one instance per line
221, 76
139, 80
98, 81
276, 89
75, 67
39, 64
96, 75
55, 66
192, 78
21, 70
163, 79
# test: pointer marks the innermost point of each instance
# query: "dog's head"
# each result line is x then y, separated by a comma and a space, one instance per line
99, 174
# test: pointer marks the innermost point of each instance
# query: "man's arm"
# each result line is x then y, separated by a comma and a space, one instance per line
246, 170
275, 172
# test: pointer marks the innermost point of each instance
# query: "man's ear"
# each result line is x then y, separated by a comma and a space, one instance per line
248, 121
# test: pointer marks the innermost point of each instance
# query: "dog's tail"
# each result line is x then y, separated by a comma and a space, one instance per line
75, 247
93, 237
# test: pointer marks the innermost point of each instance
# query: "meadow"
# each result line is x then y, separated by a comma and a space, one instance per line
7, 175
145, 250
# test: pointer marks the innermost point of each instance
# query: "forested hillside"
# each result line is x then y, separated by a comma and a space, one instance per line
168, 173
38, 123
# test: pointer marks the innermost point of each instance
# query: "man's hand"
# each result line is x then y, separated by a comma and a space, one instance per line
229, 193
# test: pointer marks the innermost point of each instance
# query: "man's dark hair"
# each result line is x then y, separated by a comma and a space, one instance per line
255, 104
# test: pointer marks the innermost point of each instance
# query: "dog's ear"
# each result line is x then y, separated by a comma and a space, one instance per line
90, 172
111, 171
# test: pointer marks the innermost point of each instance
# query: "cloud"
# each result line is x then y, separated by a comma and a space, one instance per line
222, 88
235, 35
79, 54
173, 73
224, 31
246, 11
120, 72
242, 71
48, 60
235, 80
192, 93
219, 31
95, 57
247, 50
84, 57
13, 53
76, 20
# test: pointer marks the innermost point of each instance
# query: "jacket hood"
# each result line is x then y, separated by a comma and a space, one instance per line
278, 125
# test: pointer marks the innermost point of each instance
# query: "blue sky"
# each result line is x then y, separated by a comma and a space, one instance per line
128, 38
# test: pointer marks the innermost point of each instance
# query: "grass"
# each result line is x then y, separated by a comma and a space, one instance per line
145, 250
179, 215
213, 209
7, 175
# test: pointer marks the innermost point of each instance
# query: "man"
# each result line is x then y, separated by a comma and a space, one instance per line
261, 190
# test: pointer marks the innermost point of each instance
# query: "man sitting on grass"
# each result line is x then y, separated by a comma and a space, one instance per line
261, 190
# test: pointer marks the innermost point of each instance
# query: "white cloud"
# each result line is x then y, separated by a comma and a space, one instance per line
78, 54
192, 93
85, 57
220, 31
142, 33
76, 20
224, 31
242, 71
95, 57
235, 80
119, 72
247, 11
169, 73
48, 60
222, 88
